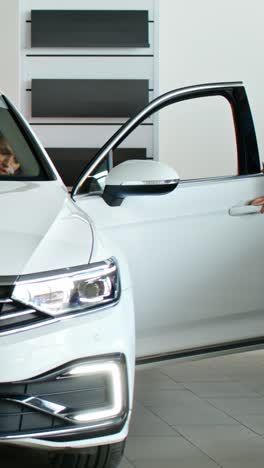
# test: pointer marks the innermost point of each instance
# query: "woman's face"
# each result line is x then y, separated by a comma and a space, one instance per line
8, 162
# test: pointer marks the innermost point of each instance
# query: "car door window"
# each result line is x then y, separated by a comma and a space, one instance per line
197, 138
205, 132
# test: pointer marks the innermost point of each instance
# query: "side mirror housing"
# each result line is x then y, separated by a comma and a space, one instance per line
139, 178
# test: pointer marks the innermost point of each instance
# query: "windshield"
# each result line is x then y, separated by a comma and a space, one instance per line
17, 159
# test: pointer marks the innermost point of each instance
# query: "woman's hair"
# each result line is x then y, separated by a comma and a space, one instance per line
5, 147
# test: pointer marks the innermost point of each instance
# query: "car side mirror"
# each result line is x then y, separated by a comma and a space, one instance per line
139, 178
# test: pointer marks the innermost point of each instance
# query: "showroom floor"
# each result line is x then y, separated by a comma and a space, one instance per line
199, 414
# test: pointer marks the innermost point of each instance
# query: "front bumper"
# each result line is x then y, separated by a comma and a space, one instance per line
82, 400
104, 337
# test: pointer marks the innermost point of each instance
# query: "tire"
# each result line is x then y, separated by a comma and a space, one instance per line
105, 456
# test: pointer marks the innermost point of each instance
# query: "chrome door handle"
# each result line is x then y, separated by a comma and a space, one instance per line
244, 210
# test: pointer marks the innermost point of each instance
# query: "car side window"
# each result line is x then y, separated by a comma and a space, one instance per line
203, 132
17, 159
197, 138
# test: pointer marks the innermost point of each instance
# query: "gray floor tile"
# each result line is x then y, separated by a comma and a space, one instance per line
198, 413
252, 421
204, 435
242, 464
226, 443
221, 389
166, 398
163, 449
194, 373
202, 462
260, 385
231, 367
144, 422
236, 406
246, 453
154, 378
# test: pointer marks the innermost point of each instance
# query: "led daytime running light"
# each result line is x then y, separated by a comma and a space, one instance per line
113, 371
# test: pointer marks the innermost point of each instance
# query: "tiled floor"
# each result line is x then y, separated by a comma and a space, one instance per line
199, 414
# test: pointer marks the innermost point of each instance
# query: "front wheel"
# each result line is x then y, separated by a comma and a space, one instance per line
105, 456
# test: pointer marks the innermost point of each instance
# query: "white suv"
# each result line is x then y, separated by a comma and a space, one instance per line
132, 248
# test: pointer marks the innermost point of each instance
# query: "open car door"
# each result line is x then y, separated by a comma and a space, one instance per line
196, 254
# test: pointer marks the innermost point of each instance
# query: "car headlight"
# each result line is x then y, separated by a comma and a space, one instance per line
71, 290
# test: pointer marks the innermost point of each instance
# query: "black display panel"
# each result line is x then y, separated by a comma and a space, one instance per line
89, 28
70, 162
88, 98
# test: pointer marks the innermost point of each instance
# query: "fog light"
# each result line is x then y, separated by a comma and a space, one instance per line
112, 372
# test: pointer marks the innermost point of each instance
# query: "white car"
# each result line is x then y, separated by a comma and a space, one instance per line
133, 266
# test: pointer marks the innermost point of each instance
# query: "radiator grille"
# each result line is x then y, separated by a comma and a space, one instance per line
82, 393
15, 316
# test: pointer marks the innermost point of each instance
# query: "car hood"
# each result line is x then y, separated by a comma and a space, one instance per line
41, 228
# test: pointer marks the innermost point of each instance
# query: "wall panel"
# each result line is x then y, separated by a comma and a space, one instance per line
85, 51
88, 98
67, 117
94, 28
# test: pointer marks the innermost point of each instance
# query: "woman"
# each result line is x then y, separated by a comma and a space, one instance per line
8, 162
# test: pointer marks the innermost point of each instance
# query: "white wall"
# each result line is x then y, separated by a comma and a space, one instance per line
9, 49
198, 42
84, 63
208, 41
